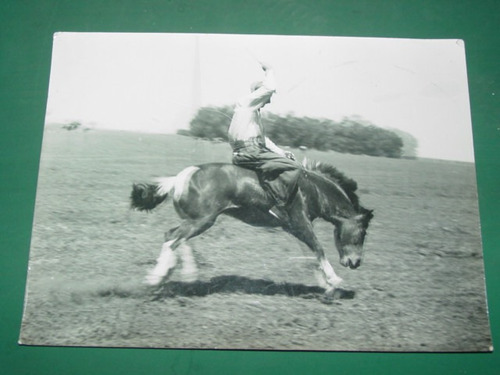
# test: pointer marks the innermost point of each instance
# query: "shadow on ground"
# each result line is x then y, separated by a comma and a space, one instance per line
239, 284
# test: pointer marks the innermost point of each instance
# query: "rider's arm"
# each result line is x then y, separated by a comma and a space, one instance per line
260, 97
272, 146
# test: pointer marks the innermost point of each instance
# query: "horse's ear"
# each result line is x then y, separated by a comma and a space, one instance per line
360, 217
366, 215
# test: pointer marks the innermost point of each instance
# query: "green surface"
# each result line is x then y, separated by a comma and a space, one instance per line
26, 29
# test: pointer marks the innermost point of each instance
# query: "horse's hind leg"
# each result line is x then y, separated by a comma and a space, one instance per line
189, 269
165, 263
173, 239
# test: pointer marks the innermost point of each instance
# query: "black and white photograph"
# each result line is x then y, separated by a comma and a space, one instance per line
261, 192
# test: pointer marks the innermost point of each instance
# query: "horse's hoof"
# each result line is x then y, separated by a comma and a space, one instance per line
335, 282
152, 280
328, 297
189, 277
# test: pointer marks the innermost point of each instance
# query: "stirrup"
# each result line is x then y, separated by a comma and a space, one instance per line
278, 213
274, 214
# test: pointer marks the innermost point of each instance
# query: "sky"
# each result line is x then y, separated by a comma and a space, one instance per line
156, 82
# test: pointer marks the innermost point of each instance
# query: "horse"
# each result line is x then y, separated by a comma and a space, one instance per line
203, 192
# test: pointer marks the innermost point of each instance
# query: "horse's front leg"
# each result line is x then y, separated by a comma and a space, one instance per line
324, 271
301, 227
332, 279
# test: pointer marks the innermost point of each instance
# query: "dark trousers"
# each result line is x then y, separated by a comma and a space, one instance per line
278, 175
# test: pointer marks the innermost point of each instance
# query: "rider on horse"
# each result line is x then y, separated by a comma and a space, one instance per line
277, 169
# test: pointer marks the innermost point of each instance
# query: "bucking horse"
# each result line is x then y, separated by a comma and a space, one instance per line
201, 193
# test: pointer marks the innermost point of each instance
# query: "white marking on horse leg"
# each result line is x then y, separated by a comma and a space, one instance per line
166, 261
189, 270
320, 278
330, 276
182, 181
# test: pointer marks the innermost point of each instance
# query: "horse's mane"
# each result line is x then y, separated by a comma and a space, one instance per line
333, 174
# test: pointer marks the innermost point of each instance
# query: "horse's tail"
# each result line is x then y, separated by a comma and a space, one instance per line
145, 197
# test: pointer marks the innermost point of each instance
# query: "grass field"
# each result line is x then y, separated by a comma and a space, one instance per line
421, 287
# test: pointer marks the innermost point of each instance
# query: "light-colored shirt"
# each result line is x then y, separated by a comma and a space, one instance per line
246, 124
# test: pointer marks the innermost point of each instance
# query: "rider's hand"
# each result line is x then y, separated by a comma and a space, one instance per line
290, 155
265, 67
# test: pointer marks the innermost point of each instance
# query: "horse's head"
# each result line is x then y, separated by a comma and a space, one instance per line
350, 235
338, 203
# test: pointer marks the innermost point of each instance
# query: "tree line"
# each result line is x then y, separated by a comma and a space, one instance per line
350, 135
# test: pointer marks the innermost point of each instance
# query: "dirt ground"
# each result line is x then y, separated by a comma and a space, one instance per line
421, 287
